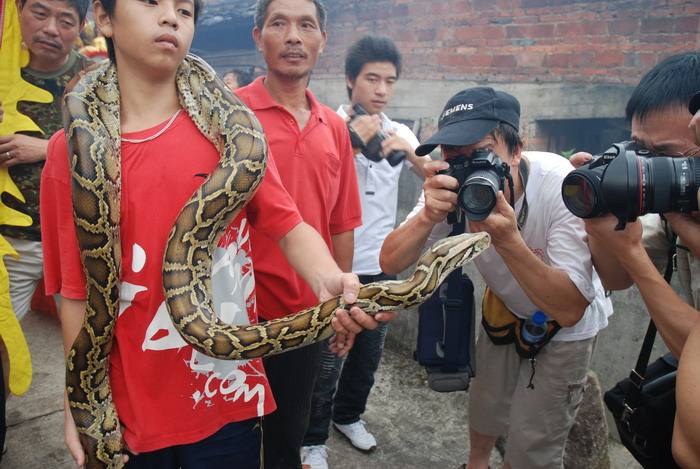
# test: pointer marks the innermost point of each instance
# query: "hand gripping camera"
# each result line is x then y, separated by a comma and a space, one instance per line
480, 178
372, 150
628, 182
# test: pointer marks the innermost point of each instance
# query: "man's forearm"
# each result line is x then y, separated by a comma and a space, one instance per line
550, 289
686, 439
673, 317
404, 245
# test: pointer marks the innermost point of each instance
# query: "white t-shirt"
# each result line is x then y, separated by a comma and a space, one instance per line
556, 237
379, 191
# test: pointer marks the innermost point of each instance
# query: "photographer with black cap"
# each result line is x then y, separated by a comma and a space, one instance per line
539, 261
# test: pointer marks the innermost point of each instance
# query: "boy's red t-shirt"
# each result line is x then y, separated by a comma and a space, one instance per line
166, 393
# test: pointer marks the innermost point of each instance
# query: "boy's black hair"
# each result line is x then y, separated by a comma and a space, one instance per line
81, 6
261, 12
110, 5
669, 84
368, 49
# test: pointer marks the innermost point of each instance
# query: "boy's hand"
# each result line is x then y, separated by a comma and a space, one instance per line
348, 324
395, 143
72, 438
366, 127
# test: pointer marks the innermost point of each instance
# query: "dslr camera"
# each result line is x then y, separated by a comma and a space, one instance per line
372, 150
480, 178
628, 181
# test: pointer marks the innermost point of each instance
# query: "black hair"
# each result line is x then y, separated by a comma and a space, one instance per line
510, 136
109, 7
370, 49
81, 6
261, 13
669, 84
242, 77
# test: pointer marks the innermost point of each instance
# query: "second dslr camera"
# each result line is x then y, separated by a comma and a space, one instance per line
373, 149
480, 178
628, 182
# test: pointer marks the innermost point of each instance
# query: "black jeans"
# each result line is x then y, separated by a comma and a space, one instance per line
353, 383
292, 376
236, 444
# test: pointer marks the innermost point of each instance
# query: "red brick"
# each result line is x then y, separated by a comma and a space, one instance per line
609, 59
687, 25
657, 25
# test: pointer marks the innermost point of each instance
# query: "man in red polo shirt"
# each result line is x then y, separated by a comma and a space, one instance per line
311, 147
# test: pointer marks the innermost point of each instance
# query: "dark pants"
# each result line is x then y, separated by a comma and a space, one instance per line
236, 445
292, 376
346, 404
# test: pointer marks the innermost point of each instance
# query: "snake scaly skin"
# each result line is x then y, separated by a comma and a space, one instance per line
202, 329
91, 120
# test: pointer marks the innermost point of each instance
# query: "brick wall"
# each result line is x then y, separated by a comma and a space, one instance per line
518, 41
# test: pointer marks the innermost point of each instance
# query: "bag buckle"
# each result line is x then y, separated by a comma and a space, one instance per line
639, 442
636, 379
627, 412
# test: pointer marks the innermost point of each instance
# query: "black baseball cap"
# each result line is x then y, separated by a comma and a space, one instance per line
471, 115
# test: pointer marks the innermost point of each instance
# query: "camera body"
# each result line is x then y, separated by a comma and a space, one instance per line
372, 150
480, 177
628, 181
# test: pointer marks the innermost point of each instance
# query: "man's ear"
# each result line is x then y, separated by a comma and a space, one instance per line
323, 44
102, 20
256, 38
350, 84
517, 155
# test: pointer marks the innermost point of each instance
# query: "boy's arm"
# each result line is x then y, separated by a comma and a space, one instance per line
308, 255
72, 314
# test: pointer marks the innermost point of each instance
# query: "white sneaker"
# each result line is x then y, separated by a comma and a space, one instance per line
314, 457
358, 435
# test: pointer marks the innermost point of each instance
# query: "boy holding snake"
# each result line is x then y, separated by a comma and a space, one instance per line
176, 407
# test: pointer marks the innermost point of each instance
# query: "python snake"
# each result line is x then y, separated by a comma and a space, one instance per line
92, 124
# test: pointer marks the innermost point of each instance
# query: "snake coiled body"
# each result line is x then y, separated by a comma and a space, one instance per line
92, 124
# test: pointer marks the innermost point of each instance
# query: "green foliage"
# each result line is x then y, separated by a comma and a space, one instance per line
567, 154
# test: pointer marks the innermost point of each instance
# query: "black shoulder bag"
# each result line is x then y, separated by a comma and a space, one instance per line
445, 345
644, 405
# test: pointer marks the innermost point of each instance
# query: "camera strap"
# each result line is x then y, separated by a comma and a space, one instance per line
524, 171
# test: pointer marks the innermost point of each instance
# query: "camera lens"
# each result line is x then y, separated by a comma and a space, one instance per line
478, 194
668, 184
582, 195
